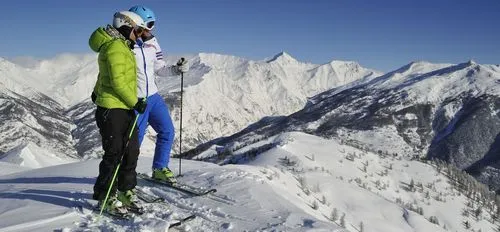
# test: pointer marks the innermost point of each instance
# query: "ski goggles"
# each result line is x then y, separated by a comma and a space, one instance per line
150, 25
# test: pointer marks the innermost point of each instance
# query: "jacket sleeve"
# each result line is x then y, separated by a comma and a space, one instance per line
120, 79
160, 67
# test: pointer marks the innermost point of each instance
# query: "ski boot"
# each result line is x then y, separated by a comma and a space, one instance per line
114, 207
164, 174
130, 201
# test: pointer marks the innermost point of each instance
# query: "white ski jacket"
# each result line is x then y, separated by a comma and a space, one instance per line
149, 65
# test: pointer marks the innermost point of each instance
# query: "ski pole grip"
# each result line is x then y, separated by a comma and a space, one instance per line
181, 61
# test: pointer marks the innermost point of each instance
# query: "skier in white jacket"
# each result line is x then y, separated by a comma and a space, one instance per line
149, 59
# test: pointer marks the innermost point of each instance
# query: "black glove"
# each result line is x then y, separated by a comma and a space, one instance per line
140, 106
93, 97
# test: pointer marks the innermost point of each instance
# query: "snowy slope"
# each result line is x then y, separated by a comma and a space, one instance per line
32, 156
36, 119
268, 193
445, 111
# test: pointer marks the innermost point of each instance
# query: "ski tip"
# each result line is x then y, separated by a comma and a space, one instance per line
182, 221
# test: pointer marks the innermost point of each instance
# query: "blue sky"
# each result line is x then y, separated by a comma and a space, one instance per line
383, 35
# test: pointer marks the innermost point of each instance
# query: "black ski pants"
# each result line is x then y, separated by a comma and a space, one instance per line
114, 126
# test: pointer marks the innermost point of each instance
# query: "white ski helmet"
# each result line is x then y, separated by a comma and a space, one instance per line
127, 18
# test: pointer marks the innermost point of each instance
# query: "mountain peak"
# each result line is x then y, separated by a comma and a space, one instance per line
283, 57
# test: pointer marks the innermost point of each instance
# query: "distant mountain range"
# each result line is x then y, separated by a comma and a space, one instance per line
444, 111
422, 110
222, 95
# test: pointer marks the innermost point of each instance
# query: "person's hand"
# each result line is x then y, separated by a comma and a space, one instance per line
182, 65
93, 97
140, 106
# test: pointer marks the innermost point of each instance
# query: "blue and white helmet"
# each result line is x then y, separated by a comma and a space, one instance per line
127, 18
146, 14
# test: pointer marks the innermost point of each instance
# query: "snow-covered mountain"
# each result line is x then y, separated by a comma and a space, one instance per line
29, 116
222, 95
358, 168
234, 92
302, 183
66, 78
445, 111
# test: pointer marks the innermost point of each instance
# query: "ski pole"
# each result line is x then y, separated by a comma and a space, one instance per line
180, 129
118, 166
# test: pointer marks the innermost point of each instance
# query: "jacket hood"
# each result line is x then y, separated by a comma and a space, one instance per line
98, 38
101, 36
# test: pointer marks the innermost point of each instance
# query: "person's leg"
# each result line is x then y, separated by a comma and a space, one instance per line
142, 122
127, 174
112, 124
161, 122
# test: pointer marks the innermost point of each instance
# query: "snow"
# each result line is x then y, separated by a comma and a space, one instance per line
32, 156
249, 89
260, 195
293, 186
8, 168
380, 138
424, 82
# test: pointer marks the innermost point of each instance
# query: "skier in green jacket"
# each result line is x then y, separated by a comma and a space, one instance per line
115, 95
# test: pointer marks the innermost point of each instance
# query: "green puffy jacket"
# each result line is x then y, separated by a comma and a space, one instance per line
116, 85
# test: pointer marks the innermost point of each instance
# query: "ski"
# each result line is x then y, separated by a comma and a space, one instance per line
125, 216
148, 198
138, 210
179, 186
120, 216
182, 221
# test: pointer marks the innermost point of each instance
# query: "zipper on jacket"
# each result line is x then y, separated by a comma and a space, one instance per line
145, 72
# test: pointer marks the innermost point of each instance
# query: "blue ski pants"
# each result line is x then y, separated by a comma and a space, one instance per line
158, 116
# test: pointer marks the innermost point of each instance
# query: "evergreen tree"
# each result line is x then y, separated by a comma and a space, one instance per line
478, 212
323, 199
315, 205
433, 219
496, 215
412, 185
465, 212
334, 215
420, 210
467, 225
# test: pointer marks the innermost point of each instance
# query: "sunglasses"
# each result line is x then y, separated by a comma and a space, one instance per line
150, 25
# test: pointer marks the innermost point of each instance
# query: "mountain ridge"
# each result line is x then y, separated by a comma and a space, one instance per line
249, 90
415, 114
